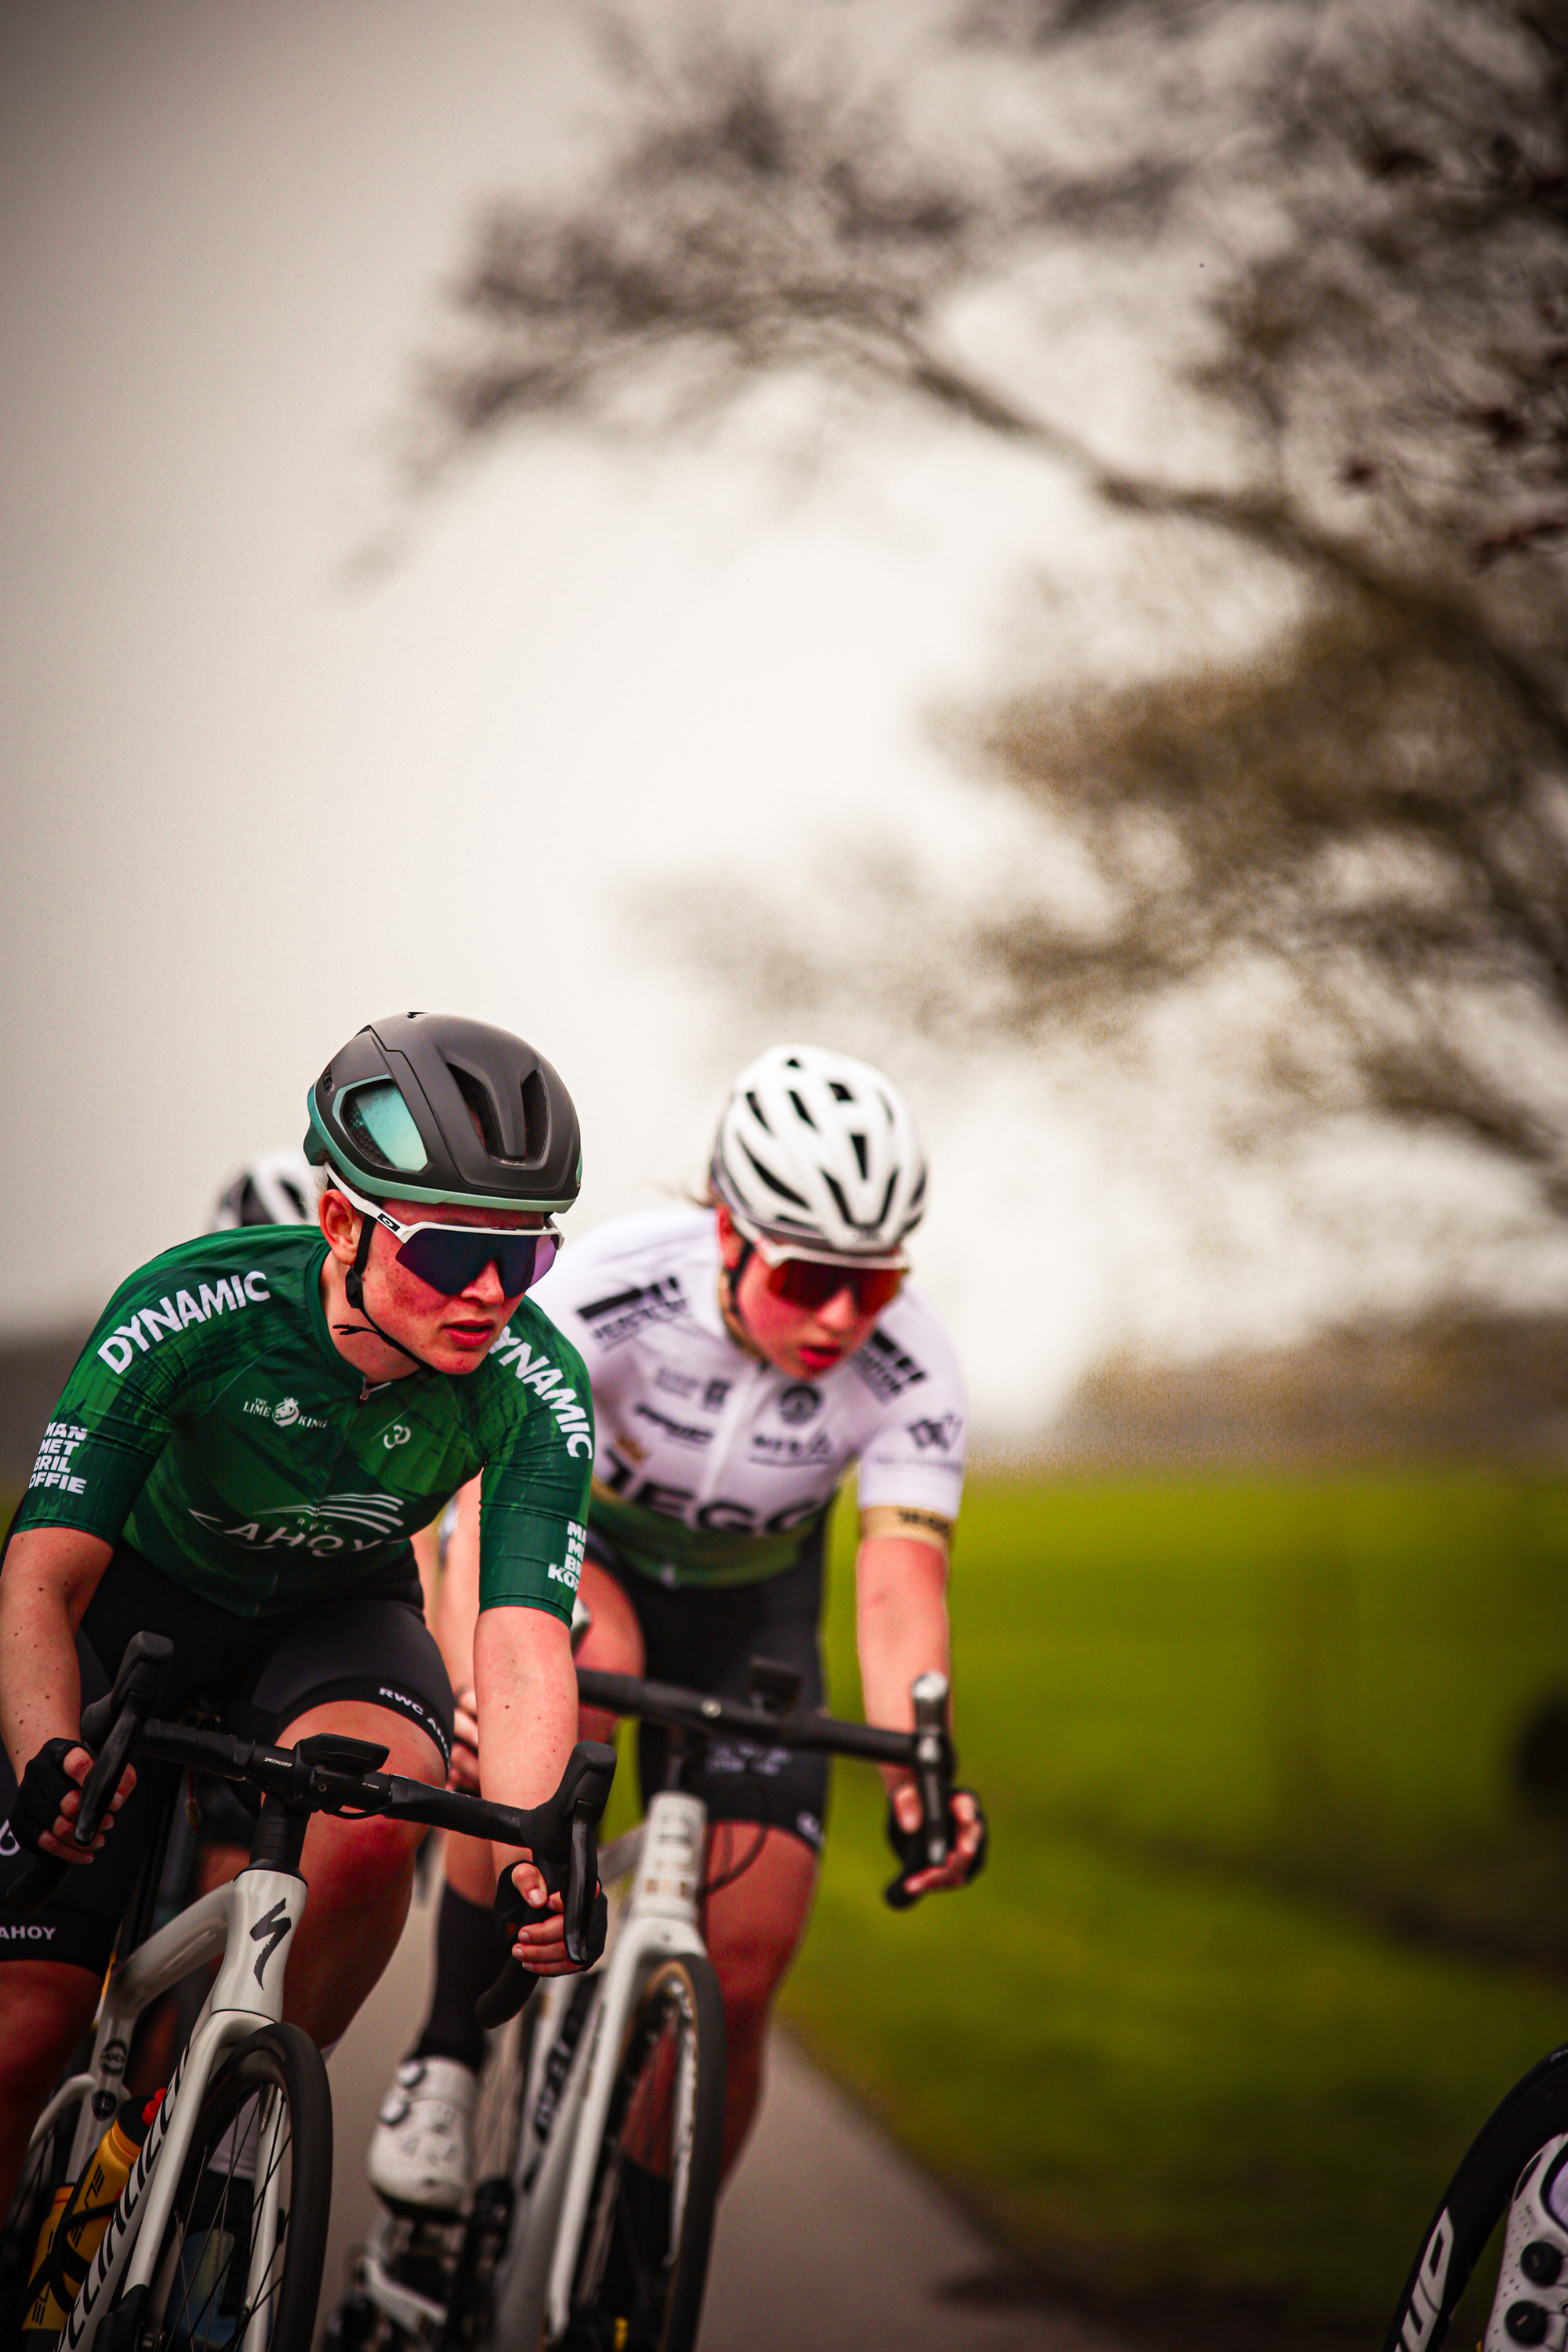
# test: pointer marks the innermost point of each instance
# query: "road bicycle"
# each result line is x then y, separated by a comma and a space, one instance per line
1507, 2175
218, 2235
601, 2121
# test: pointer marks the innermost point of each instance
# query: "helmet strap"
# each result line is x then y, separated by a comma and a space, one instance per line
353, 1289
730, 1299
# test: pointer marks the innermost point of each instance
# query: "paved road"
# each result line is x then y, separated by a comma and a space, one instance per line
829, 2241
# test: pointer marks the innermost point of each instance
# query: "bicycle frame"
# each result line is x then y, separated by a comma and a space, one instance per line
533, 2278
247, 1925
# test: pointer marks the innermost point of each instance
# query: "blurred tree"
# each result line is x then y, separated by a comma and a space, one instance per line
1364, 832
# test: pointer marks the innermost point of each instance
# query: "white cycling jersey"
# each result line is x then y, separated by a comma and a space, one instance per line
711, 1467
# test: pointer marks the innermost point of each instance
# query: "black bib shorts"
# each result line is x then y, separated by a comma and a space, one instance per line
705, 1637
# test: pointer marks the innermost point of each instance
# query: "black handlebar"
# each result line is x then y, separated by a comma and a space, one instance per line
327, 1775
340, 1776
926, 1751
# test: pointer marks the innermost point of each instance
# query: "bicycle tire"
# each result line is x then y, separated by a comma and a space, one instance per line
201, 2293
644, 2260
1534, 2111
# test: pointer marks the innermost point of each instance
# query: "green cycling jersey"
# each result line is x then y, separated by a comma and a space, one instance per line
211, 1421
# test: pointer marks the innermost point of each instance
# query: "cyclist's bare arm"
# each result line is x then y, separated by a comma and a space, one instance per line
902, 1632
453, 1626
50, 1575
527, 1688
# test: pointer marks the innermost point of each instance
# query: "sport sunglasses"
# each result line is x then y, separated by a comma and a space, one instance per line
812, 1283
449, 1257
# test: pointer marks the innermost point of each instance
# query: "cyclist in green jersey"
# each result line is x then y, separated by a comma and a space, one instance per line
258, 1423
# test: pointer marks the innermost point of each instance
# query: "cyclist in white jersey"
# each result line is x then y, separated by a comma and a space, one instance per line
741, 1355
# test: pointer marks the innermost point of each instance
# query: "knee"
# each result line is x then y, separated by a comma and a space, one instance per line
751, 1968
43, 2015
366, 1865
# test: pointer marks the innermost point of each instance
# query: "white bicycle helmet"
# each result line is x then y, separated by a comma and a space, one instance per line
276, 1188
819, 1155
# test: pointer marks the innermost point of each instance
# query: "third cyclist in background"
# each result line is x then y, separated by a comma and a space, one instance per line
742, 1356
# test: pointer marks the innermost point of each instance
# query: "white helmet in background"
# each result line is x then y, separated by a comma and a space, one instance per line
276, 1188
819, 1155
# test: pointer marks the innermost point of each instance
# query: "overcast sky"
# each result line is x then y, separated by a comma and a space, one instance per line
252, 804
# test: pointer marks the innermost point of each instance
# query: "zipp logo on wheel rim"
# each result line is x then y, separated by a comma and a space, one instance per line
1426, 2296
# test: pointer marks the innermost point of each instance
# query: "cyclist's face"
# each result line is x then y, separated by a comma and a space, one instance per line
804, 1341
453, 1334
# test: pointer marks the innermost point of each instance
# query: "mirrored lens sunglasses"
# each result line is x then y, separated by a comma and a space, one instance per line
449, 1257
812, 1283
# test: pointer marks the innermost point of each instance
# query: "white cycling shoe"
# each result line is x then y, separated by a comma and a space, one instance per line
422, 2150
1530, 2306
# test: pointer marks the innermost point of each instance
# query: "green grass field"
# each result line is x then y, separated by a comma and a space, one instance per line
1266, 1931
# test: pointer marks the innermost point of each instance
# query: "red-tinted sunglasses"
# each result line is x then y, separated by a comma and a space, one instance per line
812, 1283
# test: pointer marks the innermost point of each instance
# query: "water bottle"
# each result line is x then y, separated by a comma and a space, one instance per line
75, 2222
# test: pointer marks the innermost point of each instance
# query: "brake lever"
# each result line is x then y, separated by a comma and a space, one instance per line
581, 1885
925, 1848
138, 1685
933, 1764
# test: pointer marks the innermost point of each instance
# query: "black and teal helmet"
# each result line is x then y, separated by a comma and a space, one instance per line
429, 1106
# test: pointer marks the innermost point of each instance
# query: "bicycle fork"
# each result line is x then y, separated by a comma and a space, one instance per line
534, 2286
257, 1909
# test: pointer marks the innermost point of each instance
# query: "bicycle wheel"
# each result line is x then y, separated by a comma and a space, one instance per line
267, 2109
1477, 2199
644, 2260
43, 2171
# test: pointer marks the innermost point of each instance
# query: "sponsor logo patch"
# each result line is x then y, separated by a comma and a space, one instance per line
538, 1374
943, 1435
52, 1468
885, 1369
377, 1517
625, 1312
151, 1325
284, 1414
685, 1433
798, 1402
786, 1452
568, 1574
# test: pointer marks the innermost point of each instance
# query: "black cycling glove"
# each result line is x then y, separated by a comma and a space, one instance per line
910, 1849
511, 1908
43, 1783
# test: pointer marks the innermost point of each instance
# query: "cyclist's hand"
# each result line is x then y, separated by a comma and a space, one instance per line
464, 1769
967, 1854
539, 1942
50, 1799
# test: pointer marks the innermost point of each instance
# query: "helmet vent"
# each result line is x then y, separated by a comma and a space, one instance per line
804, 1112
759, 1113
535, 1118
774, 1183
857, 1143
481, 1109
840, 1203
840, 1091
382, 1127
